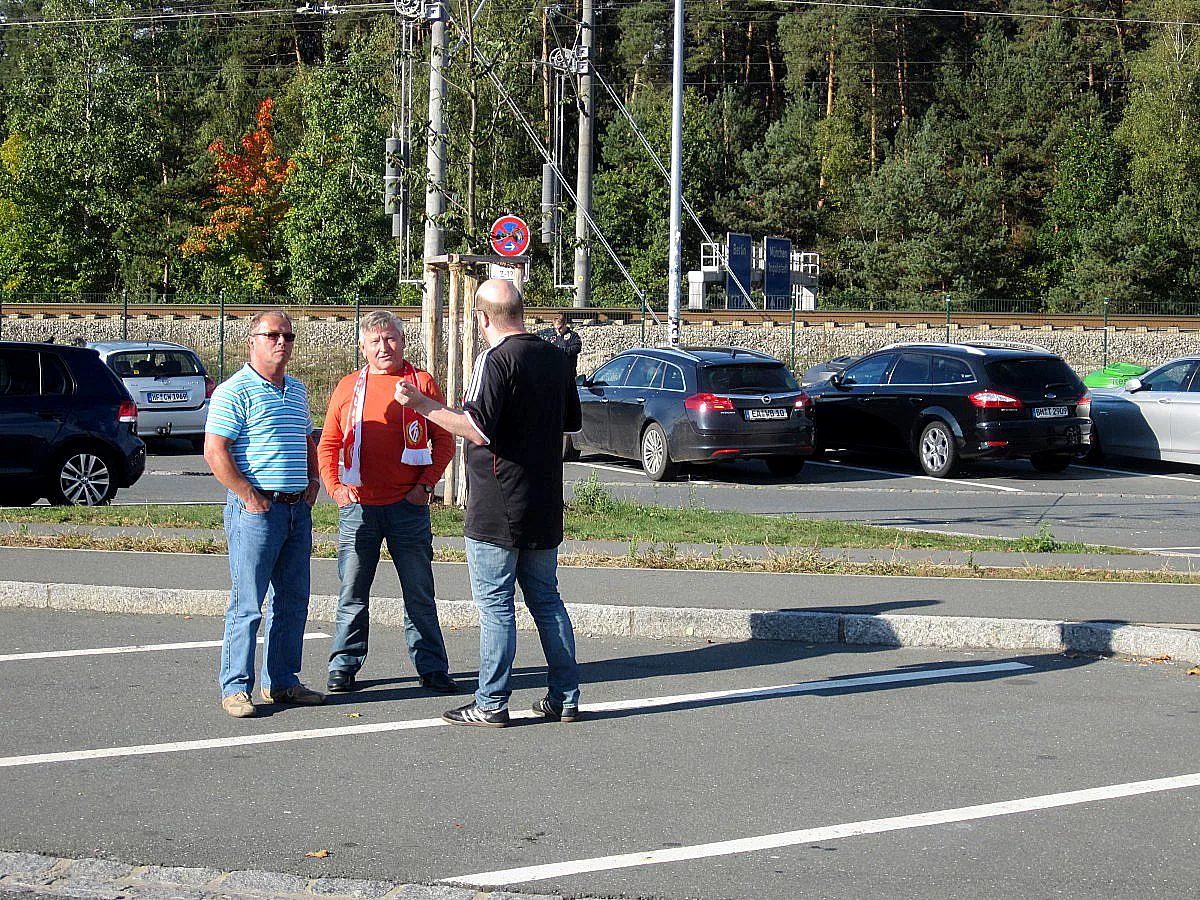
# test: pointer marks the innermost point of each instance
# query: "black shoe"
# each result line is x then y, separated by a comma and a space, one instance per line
473, 715
440, 682
556, 712
341, 681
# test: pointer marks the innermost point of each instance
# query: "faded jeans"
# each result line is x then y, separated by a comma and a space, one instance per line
361, 533
495, 573
268, 560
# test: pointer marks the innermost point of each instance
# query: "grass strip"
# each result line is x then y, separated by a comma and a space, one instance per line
593, 514
801, 562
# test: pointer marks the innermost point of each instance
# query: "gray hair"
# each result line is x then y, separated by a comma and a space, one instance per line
379, 320
257, 318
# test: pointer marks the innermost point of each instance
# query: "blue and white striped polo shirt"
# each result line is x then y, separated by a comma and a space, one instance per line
268, 427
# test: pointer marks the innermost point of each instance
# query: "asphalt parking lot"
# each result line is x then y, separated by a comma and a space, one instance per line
759, 769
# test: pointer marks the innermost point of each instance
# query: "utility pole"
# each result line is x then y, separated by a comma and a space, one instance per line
583, 177
435, 199
675, 262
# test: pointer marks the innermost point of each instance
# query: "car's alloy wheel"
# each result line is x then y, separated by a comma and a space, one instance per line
937, 451
83, 478
656, 460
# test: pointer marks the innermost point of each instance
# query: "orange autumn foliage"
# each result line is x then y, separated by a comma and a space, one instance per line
248, 202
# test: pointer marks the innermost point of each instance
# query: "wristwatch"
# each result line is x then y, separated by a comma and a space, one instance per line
428, 488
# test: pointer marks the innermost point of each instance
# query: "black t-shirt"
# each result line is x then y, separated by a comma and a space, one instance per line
521, 399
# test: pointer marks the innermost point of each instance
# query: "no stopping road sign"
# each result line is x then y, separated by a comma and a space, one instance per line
510, 236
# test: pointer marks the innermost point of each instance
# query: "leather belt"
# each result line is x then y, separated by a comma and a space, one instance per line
286, 496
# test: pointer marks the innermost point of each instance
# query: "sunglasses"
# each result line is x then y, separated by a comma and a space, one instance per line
276, 335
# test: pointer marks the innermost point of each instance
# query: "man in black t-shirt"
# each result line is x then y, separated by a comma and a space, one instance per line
520, 401
566, 339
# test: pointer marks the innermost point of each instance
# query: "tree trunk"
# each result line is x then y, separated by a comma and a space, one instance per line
874, 105
901, 69
749, 48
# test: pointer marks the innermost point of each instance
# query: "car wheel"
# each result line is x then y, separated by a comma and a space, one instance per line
937, 451
1050, 462
785, 466
83, 478
570, 451
1095, 452
656, 459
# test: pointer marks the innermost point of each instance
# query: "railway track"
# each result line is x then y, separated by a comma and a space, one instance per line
751, 317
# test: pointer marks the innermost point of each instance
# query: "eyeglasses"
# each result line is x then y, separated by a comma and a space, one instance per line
275, 335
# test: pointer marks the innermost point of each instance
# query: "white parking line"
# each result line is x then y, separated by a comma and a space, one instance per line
133, 648
504, 877
277, 737
627, 470
993, 487
1108, 470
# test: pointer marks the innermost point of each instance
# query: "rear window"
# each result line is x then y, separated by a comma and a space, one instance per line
1033, 373
154, 364
747, 378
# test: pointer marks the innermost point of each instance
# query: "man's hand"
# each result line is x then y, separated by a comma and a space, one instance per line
311, 492
418, 496
344, 495
408, 395
255, 501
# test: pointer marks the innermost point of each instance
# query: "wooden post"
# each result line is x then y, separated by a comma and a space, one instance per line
454, 472
470, 346
431, 324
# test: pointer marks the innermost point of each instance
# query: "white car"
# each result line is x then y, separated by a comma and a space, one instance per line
167, 382
1154, 416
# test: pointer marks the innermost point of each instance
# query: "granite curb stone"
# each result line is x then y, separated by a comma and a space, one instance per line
891, 630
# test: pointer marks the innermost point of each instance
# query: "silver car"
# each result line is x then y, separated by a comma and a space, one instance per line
1154, 416
167, 382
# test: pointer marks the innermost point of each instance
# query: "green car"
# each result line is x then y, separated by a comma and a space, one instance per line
1114, 375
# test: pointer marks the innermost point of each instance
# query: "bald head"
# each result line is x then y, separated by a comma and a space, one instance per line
502, 303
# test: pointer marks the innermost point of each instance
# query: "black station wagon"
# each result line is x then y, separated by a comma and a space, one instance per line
947, 403
666, 406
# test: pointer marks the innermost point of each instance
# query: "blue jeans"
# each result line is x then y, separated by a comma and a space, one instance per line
495, 573
361, 532
268, 560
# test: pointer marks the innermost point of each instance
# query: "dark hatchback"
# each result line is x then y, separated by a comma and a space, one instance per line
68, 427
666, 406
947, 403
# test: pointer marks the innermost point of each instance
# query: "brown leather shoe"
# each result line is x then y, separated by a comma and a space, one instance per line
297, 694
238, 705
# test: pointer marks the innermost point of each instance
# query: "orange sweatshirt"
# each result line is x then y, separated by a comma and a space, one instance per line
384, 478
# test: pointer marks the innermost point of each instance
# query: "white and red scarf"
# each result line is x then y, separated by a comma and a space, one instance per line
416, 437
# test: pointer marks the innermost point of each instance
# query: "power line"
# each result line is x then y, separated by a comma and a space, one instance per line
372, 7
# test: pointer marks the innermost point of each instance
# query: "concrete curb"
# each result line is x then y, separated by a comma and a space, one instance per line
950, 632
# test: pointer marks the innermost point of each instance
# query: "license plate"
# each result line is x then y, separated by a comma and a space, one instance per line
1050, 412
168, 396
766, 414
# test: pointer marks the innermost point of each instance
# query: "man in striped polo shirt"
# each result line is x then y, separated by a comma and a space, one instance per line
257, 444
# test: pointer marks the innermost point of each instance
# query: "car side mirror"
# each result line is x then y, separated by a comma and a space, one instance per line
836, 379
581, 380
1133, 385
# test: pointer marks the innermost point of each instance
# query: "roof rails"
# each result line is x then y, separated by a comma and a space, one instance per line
667, 348
1008, 345
901, 344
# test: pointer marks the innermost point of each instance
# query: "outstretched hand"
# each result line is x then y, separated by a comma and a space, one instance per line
408, 395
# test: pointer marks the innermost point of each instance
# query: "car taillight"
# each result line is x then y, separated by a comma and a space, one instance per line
209, 386
127, 412
804, 402
707, 403
994, 400
1083, 407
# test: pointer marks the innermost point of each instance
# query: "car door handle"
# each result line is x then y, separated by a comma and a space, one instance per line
641, 399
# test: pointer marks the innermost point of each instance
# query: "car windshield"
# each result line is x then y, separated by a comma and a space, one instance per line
1032, 373
742, 378
154, 364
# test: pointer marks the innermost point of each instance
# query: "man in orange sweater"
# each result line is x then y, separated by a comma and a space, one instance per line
377, 464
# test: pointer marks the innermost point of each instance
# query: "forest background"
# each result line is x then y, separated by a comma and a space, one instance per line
1043, 151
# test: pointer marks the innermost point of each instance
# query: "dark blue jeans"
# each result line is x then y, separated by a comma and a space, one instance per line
268, 561
361, 533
